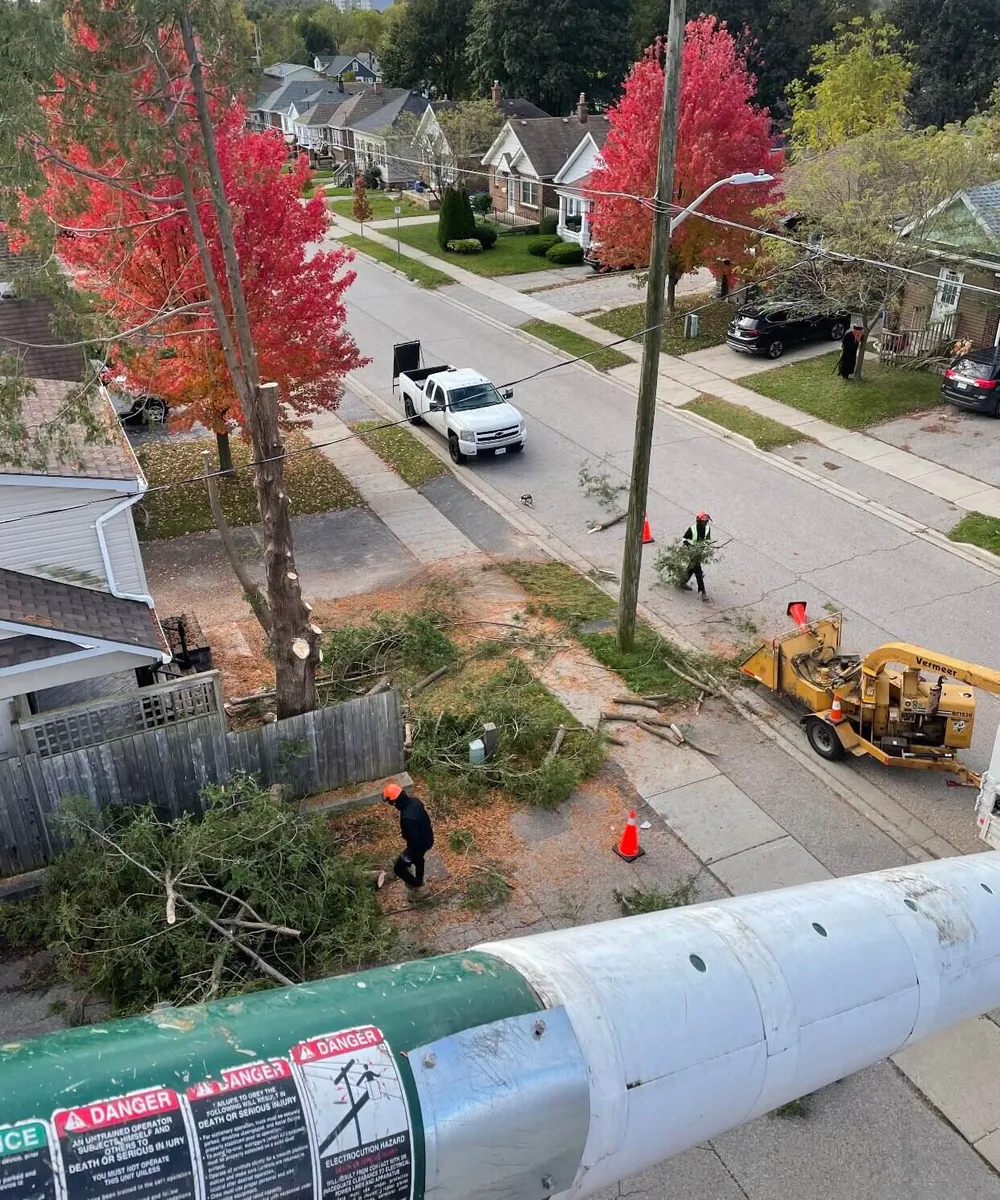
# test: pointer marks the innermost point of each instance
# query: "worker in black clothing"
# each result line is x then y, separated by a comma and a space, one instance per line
694, 536
418, 834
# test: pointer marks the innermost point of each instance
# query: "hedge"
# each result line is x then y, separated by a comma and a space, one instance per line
567, 254
540, 246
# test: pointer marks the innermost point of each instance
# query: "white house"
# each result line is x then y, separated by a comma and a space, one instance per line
74, 603
572, 180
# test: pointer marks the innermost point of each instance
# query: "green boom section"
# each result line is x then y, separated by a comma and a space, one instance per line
174, 1048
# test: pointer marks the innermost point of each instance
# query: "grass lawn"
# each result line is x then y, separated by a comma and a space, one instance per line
979, 530
399, 449
336, 191
814, 387
713, 320
762, 431
420, 273
383, 207
576, 344
508, 257
314, 485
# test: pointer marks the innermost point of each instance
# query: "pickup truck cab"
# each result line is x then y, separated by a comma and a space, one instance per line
462, 405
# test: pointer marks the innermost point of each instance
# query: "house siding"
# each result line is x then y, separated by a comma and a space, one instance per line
63, 545
977, 316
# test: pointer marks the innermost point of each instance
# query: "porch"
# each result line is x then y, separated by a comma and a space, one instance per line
574, 217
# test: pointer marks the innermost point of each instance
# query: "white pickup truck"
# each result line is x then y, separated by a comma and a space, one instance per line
463, 406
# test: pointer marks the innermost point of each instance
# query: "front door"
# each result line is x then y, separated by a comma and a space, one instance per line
946, 298
511, 193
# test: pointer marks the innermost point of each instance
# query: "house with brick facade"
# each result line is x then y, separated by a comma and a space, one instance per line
963, 259
525, 158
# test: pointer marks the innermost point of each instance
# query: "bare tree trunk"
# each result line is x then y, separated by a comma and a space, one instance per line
225, 452
294, 638
671, 292
252, 593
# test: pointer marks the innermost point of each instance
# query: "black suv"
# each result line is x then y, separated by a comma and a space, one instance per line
973, 381
773, 327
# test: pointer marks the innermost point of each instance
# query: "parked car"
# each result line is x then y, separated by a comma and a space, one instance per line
592, 257
973, 381
773, 327
466, 408
132, 407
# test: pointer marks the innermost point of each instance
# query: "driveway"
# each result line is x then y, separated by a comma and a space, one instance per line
966, 441
595, 292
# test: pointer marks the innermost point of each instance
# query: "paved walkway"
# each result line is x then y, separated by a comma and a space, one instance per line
683, 379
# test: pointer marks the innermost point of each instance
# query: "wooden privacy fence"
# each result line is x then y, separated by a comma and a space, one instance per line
169, 767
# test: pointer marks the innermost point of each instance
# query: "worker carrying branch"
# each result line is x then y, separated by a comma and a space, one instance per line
418, 834
696, 538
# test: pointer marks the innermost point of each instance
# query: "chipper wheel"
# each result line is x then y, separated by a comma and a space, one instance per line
823, 739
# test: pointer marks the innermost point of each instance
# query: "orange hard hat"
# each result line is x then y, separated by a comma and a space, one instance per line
391, 791
703, 516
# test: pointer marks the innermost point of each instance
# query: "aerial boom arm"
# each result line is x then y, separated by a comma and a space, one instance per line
926, 660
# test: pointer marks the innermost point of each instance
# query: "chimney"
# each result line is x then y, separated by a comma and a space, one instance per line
340, 83
496, 92
377, 87
581, 109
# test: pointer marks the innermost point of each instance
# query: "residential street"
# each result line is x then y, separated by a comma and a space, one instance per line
790, 533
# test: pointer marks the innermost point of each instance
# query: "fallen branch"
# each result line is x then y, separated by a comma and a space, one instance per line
614, 741
637, 701
617, 716
407, 735
557, 741
702, 749
599, 526
697, 707
427, 680
380, 685
664, 734
493, 871
231, 937
262, 927
691, 679
677, 731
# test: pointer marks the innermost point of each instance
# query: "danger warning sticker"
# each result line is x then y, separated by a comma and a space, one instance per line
253, 1141
357, 1109
132, 1147
26, 1162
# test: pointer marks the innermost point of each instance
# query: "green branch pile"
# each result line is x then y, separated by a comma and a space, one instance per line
250, 895
401, 646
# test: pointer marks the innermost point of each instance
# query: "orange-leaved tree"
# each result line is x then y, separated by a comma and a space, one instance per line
720, 132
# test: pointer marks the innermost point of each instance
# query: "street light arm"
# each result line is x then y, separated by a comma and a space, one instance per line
740, 179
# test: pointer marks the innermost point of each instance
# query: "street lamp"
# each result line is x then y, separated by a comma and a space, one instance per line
741, 178
628, 596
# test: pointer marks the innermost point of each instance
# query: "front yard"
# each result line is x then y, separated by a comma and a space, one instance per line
421, 274
314, 485
813, 386
383, 207
508, 257
713, 318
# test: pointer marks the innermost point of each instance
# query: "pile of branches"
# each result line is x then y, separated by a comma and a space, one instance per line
141, 911
396, 646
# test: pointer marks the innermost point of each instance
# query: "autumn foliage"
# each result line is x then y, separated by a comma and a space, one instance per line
134, 250
720, 132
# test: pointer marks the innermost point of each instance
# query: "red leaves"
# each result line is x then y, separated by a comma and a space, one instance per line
720, 132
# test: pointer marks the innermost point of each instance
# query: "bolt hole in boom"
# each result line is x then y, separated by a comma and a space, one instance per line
819, 929
986, 888
698, 963
909, 904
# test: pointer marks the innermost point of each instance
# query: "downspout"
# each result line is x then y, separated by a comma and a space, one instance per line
102, 541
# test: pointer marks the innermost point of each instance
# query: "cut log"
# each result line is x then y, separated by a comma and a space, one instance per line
636, 701
557, 742
664, 734
380, 685
427, 680
677, 731
598, 526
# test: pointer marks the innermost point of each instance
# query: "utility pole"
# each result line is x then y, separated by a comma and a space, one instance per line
655, 286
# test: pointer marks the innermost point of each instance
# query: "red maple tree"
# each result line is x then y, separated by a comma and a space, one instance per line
719, 133
138, 257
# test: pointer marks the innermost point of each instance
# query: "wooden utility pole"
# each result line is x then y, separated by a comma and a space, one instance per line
659, 254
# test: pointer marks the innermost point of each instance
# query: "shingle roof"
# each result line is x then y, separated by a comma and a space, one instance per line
26, 330
985, 201
341, 63
319, 114
303, 93
108, 459
80, 612
394, 101
28, 647
549, 141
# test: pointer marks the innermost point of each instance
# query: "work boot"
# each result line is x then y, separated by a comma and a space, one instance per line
704, 597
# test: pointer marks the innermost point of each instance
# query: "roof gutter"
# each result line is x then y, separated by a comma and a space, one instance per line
102, 541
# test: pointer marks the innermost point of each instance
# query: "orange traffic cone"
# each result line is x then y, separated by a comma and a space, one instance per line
647, 533
629, 848
836, 712
797, 611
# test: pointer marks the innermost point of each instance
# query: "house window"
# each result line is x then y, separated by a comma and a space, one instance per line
948, 289
574, 206
529, 193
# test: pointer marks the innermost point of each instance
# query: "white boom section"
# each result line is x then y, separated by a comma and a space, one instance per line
695, 1020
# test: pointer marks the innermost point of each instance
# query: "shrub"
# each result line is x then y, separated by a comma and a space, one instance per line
482, 203
486, 235
566, 254
372, 178
540, 246
547, 225
455, 219
465, 246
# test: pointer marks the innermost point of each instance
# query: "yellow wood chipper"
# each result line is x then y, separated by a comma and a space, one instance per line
893, 703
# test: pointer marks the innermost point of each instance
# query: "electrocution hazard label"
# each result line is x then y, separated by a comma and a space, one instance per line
357, 1108
26, 1162
134, 1147
253, 1142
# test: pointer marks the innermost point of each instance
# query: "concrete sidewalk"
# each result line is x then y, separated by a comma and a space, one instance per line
746, 848
683, 379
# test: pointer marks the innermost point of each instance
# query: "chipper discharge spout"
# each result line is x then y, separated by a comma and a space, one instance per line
900, 704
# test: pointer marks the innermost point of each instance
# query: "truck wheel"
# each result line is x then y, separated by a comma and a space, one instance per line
823, 739
410, 412
456, 454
